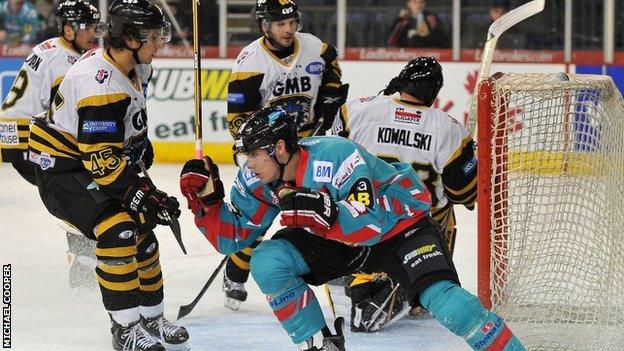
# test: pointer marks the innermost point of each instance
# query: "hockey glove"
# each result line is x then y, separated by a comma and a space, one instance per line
309, 208
200, 183
140, 152
146, 204
327, 105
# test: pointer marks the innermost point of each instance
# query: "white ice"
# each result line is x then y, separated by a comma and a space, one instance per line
48, 315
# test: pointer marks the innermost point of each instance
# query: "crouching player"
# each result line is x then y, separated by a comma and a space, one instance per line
343, 210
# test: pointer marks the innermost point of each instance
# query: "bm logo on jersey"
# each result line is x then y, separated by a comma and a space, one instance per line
322, 171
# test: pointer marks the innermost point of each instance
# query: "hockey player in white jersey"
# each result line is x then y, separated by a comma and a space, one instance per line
36, 83
406, 128
40, 76
284, 67
86, 154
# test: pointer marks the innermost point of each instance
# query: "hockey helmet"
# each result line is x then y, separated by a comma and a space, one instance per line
77, 13
275, 10
421, 78
264, 128
135, 18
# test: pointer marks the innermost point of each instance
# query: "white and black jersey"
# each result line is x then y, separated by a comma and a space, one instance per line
34, 86
98, 114
260, 79
439, 147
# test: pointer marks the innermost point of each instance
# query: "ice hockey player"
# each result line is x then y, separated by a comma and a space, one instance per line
35, 85
343, 210
98, 118
286, 68
406, 128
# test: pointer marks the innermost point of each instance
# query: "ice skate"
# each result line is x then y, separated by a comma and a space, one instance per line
334, 342
133, 338
235, 293
174, 337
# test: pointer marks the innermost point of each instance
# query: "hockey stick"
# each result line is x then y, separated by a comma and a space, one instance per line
164, 214
197, 81
186, 309
497, 28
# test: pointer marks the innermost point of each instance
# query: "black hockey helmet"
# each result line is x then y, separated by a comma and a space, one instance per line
276, 10
134, 18
421, 78
76, 13
264, 128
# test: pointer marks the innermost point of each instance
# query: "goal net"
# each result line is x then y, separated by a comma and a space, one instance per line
551, 212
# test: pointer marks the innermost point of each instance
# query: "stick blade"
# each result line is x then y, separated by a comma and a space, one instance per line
184, 311
515, 16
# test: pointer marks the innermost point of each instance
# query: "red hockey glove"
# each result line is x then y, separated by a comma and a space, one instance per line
200, 183
305, 207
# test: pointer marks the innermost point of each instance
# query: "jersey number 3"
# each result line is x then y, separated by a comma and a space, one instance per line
17, 90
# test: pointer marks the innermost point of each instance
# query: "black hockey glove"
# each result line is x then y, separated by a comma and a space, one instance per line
200, 183
146, 204
309, 208
327, 105
140, 152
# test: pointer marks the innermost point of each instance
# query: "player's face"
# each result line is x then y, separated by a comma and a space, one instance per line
283, 32
87, 35
155, 40
263, 165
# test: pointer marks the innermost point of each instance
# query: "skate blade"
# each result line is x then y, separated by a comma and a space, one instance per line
176, 347
232, 304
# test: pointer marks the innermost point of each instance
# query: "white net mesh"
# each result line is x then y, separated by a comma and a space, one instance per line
557, 238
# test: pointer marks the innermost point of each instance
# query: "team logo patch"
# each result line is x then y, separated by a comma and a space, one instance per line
8, 133
315, 68
71, 59
45, 161
234, 98
322, 171
400, 115
99, 127
101, 75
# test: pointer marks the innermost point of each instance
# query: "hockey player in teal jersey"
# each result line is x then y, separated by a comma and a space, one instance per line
343, 210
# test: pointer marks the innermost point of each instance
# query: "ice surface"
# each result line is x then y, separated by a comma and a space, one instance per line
47, 315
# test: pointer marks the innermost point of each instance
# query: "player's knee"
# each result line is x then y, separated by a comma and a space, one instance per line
116, 237
273, 266
147, 247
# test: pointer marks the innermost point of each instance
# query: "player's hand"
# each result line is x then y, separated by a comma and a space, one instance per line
327, 105
200, 183
146, 204
303, 207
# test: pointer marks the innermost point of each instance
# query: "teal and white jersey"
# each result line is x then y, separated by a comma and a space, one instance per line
376, 200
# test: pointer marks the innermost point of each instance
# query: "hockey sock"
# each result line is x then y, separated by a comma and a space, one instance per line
464, 315
277, 267
237, 267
